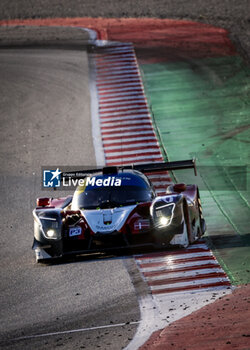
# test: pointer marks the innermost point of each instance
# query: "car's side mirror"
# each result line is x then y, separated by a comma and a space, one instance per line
181, 187
43, 202
178, 188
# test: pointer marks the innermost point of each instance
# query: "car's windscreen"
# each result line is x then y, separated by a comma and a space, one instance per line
110, 197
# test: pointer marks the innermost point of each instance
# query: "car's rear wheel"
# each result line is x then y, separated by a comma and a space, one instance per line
202, 226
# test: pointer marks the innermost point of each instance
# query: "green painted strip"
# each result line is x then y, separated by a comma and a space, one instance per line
201, 108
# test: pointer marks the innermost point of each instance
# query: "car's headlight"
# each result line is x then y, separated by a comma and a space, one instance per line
51, 234
165, 221
164, 214
49, 223
51, 228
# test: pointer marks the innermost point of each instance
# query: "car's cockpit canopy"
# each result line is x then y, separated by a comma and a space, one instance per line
110, 191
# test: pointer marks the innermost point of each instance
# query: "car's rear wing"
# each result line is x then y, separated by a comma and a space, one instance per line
144, 168
155, 167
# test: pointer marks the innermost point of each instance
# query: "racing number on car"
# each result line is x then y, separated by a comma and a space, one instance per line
75, 231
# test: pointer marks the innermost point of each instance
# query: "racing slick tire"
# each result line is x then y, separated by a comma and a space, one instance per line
202, 224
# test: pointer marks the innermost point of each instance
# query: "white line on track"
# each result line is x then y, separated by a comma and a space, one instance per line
208, 290
193, 247
124, 88
125, 119
128, 154
116, 86
111, 53
122, 109
105, 121
136, 106
116, 82
136, 157
135, 161
116, 70
129, 112
120, 96
125, 122
118, 132
76, 330
104, 62
121, 114
130, 140
189, 283
118, 66
121, 89
125, 96
115, 144
114, 51
172, 258
120, 102
193, 264
117, 151
184, 274
111, 50
118, 136
127, 126
128, 74
108, 59
123, 162
117, 78
126, 147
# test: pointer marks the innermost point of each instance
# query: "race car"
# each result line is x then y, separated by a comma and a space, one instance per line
117, 207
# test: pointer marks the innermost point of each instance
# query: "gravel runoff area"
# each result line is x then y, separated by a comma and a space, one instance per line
40, 36
218, 326
229, 14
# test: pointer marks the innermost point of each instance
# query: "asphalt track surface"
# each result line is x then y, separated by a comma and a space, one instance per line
45, 119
